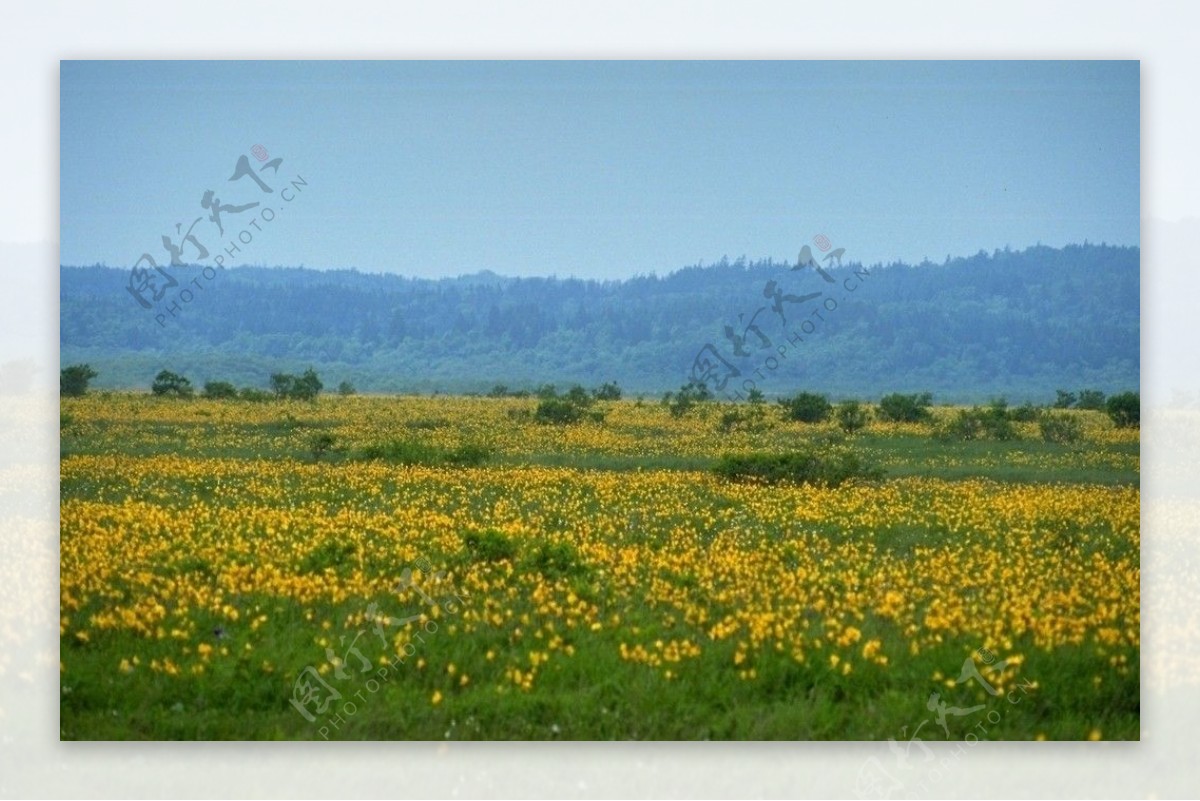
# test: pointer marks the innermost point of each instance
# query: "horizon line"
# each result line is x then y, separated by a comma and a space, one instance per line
724, 261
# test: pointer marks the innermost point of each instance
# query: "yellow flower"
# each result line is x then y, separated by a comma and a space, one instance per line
437, 697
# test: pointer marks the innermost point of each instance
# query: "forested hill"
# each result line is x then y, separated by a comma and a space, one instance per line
1019, 324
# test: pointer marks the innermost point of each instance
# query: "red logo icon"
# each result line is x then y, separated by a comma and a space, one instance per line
822, 241
259, 152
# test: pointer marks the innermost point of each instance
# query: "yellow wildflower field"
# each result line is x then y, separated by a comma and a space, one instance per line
224, 577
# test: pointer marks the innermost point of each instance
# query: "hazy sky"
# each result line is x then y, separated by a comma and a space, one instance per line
596, 169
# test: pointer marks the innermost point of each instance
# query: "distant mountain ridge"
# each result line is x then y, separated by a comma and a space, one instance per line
1019, 324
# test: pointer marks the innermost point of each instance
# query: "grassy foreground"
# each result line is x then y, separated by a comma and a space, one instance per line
234, 570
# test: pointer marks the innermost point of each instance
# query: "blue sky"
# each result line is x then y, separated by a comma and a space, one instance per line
597, 169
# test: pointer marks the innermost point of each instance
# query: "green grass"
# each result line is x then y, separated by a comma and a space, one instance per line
1021, 460
595, 694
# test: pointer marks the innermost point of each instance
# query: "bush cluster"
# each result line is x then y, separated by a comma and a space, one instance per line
412, 452
573, 407
807, 407
829, 467
897, 408
689, 395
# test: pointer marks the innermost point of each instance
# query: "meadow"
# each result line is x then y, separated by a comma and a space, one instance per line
240, 570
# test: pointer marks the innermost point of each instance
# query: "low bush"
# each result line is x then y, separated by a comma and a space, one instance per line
168, 384
1092, 399
321, 444
573, 407
807, 407
1125, 409
329, 555
826, 468
610, 391
681, 402
219, 390
1061, 428
558, 412
851, 416
752, 418
899, 408
556, 560
991, 422
1025, 413
489, 545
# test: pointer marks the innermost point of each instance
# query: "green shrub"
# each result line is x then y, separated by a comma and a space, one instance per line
489, 545
556, 560
851, 416
346, 388
681, 402
1092, 399
304, 387
572, 407
990, 422
219, 390
610, 391
168, 383
899, 408
964, 425
73, 380
467, 455
1063, 429
998, 427
1025, 413
1125, 409
321, 444
807, 407
830, 467
579, 396
1064, 399
557, 412
752, 418
329, 555
412, 452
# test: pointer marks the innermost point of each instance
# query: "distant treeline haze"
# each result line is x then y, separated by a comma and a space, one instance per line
1018, 324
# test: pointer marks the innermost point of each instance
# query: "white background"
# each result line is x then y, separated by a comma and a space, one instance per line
34, 38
